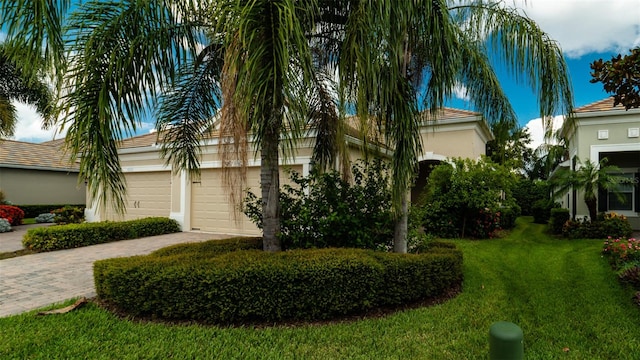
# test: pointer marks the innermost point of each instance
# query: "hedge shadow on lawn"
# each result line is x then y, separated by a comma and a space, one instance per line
231, 282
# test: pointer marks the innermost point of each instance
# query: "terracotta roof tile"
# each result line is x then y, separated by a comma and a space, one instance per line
600, 105
30, 155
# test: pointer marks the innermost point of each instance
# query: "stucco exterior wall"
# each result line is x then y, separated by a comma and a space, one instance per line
464, 143
37, 187
599, 133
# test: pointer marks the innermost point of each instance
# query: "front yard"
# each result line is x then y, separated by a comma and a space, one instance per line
562, 294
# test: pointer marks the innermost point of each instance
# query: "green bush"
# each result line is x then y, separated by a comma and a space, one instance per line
607, 225
69, 236
69, 215
323, 210
541, 210
527, 192
31, 211
559, 216
465, 198
508, 216
225, 286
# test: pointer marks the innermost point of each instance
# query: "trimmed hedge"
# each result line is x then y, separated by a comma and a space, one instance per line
31, 211
224, 286
58, 237
559, 216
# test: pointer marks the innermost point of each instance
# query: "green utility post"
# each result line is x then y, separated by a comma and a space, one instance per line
505, 341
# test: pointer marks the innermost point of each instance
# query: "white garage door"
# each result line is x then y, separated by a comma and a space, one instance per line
148, 195
210, 207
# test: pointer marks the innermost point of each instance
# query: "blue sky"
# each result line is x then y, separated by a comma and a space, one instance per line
586, 30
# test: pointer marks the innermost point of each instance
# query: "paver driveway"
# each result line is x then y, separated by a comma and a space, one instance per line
33, 281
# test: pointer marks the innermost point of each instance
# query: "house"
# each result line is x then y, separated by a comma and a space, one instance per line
38, 174
601, 131
204, 204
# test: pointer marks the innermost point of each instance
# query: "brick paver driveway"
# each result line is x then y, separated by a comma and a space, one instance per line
33, 281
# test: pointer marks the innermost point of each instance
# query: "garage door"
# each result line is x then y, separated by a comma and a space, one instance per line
210, 207
148, 194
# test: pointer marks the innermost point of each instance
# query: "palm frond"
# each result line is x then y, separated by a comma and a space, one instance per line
35, 34
123, 55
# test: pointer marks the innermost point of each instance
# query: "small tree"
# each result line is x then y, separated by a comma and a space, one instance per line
589, 178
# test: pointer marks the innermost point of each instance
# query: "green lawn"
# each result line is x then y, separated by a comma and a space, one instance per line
561, 293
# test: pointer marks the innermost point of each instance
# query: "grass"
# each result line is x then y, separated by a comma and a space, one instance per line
29, 221
561, 293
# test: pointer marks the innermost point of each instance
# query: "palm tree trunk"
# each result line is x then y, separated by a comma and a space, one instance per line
270, 183
400, 234
593, 210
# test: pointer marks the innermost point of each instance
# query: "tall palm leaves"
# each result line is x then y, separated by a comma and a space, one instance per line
251, 64
17, 85
122, 55
392, 56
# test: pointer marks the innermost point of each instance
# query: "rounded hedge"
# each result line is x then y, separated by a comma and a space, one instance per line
68, 236
220, 285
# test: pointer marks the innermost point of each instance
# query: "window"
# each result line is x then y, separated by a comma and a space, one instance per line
624, 199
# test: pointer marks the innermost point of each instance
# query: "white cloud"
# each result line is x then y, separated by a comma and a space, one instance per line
537, 130
583, 26
460, 92
29, 125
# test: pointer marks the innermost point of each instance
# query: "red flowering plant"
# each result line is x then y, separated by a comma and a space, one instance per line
621, 250
13, 214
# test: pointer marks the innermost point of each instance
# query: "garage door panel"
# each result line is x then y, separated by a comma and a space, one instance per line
210, 208
148, 195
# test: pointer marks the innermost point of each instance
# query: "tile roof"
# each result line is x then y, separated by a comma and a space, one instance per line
29, 155
444, 114
600, 105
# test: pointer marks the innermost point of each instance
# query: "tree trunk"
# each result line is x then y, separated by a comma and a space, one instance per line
400, 233
270, 184
593, 211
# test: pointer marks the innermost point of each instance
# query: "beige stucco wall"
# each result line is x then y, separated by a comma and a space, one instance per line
464, 143
616, 125
39, 187
605, 131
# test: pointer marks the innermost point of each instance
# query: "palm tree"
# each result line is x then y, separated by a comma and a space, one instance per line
16, 86
388, 60
589, 178
253, 62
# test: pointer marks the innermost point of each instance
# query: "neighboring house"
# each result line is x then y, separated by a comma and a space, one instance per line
204, 204
604, 131
38, 174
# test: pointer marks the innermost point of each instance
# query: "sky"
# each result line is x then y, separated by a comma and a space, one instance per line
586, 30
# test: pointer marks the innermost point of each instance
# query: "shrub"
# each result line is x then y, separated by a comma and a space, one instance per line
541, 210
323, 210
251, 285
559, 216
69, 215
5, 226
630, 274
620, 250
77, 235
13, 214
612, 225
45, 218
508, 216
465, 198
31, 211
527, 192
